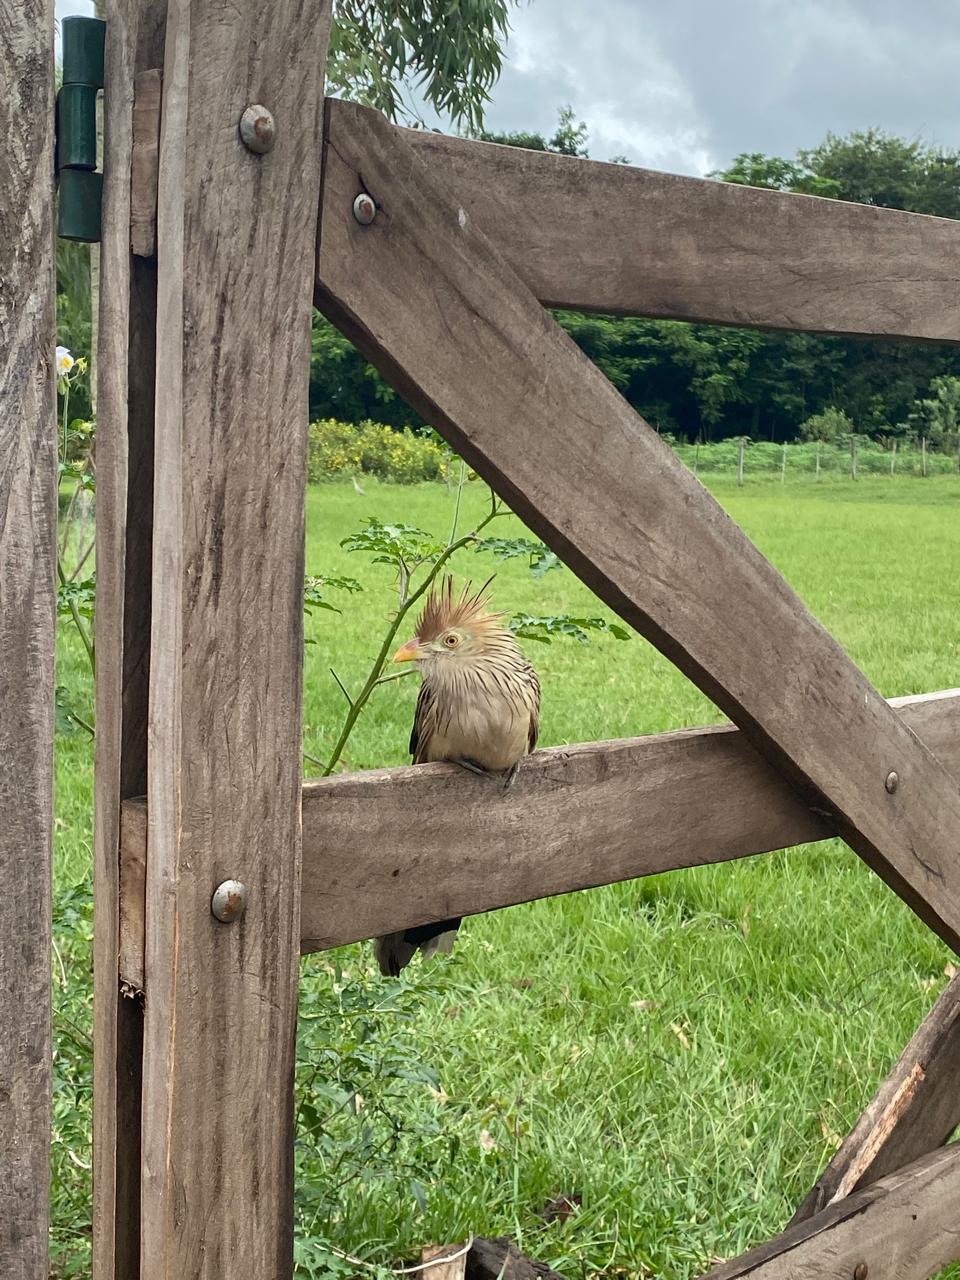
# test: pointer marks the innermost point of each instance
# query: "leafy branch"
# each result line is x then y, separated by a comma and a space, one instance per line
409, 550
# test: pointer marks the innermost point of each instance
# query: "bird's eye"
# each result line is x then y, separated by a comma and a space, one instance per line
451, 640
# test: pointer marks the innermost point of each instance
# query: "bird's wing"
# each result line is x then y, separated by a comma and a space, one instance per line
421, 732
534, 712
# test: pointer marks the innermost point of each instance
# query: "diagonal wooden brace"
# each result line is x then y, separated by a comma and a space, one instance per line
434, 306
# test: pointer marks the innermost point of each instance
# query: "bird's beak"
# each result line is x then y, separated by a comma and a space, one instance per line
408, 652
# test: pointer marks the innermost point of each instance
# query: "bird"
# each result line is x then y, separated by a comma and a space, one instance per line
478, 707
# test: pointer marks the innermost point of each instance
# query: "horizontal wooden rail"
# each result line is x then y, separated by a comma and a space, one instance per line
612, 238
904, 1227
392, 848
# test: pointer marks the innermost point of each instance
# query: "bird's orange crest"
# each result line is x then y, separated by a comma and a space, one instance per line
470, 610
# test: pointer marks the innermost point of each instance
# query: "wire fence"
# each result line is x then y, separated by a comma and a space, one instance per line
743, 459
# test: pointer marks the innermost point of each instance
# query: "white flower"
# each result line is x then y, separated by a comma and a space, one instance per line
65, 361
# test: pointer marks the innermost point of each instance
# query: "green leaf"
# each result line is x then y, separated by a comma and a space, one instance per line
540, 557
545, 629
80, 594
401, 545
315, 584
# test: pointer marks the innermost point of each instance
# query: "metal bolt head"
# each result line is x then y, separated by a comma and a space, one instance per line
860, 1271
258, 130
892, 781
364, 209
229, 900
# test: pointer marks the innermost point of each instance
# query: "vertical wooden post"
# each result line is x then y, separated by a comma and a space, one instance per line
853, 457
126, 376
923, 456
236, 232
696, 459
28, 540
783, 464
819, 447
893, 458
742, 445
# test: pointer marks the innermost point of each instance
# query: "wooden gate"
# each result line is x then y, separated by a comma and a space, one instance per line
213, 253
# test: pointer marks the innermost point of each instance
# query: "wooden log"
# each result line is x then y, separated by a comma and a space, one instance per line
234, 231
28, 543
487, 366
126, 371
915, 1110
901, 1228
613, 238
577, 817
145, 162
500, 1259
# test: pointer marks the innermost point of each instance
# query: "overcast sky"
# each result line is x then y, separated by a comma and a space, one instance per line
684, 85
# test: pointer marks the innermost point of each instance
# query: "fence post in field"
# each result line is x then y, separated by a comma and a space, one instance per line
741, 444
853, 457
923, 455
696, 459
817, 472
783, 464
28, 541
893, 458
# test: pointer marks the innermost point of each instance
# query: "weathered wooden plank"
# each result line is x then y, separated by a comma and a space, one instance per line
500, 1259
915, 1110
234, 232
28, 541
904, 1227
145, 162
577, 817
606, 237
126, 380
486, 365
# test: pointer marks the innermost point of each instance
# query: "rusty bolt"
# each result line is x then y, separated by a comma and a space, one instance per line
860, 1271
364, 209
258, 130
892, 782
229, 900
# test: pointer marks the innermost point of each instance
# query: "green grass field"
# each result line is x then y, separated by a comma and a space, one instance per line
681, 1053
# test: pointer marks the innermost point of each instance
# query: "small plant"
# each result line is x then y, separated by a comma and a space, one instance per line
830, 427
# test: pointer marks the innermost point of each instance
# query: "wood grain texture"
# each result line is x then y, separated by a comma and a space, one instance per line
427, 298
576, 817
905, 1227
915, 1110
126, 378
28, 540
612, 238
145, 162
234, 236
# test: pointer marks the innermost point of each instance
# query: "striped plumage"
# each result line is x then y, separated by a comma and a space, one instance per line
479, 706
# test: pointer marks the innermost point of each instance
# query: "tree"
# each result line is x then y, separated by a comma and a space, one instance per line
449, 50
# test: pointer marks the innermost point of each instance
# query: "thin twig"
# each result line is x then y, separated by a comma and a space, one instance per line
342, 688
75, 614
83, 560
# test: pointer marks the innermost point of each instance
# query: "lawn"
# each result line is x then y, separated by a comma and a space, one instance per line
679, 1054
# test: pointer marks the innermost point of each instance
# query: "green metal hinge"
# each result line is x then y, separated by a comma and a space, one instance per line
81, 186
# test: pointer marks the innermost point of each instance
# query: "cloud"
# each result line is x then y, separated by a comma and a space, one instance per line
685, 86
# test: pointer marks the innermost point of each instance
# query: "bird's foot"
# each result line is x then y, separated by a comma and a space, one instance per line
511, 777
466, 763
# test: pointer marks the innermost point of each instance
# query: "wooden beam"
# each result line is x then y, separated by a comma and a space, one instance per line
901, 1228
125, 383
28, 543
613, 238
577, 817
234, 232
425, 296
915, 1110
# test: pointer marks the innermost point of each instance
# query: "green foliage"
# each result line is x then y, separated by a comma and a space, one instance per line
539, 557
546, 629
570, 138
831, 426
372, 448
937, 417
449, 49
315, 587
753, 169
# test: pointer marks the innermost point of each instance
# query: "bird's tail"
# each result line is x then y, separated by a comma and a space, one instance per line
394, 951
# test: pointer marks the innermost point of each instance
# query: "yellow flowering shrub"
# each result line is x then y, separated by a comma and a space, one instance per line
338, 449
